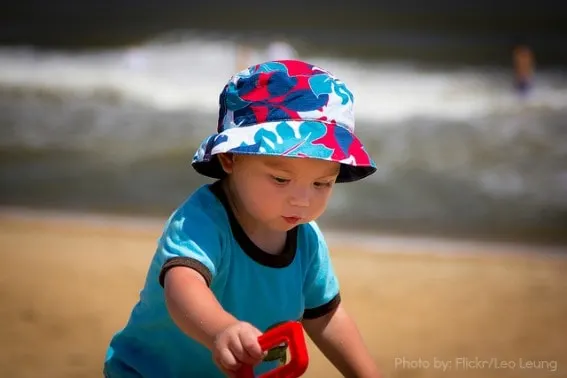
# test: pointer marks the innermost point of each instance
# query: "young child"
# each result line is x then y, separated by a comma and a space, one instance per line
245, 253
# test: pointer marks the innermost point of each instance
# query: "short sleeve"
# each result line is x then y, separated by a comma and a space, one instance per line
321, 286
192, 239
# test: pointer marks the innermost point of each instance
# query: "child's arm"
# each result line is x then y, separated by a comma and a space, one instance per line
190, 252
337, 336
193, 307
196, 311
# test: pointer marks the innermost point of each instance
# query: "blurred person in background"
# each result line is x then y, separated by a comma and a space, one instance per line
523, 61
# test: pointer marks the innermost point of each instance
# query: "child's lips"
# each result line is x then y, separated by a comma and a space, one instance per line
292, 220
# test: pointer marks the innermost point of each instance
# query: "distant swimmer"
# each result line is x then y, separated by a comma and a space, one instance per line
523, 60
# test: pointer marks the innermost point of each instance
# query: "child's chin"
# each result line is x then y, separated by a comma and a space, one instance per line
291, 226
285, 226
282, 227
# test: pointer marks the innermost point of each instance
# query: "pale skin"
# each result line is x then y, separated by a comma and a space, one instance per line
289, 188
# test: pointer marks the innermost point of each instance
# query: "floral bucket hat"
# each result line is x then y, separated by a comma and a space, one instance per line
286, 108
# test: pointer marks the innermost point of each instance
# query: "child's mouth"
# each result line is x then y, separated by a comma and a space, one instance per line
292, 220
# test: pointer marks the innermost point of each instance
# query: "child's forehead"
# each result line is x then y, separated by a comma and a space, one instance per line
292, 164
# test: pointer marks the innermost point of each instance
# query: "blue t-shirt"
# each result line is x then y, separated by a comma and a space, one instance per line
252, 285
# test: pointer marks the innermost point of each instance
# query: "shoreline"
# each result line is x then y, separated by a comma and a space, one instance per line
366, 241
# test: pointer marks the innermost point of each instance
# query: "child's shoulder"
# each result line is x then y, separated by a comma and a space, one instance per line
201, 209
312, 229
312, 246
311, 234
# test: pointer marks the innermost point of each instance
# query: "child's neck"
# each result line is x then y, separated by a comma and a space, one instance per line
266, 239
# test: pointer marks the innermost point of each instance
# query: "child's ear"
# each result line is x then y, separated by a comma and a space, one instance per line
226, 162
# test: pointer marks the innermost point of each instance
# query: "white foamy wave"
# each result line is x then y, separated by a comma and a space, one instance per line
188, 74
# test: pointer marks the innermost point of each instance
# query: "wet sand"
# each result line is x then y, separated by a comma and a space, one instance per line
67, 284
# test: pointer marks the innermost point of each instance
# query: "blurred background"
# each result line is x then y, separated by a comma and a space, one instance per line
103, 105
462, 105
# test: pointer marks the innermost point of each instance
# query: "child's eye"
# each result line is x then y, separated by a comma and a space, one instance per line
280, 180
323, 184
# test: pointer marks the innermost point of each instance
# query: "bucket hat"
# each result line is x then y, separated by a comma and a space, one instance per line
286, 108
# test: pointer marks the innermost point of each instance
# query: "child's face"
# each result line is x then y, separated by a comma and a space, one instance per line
281, 192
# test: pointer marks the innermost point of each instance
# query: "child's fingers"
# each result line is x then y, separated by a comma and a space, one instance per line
238, 350
249, 341
227, 360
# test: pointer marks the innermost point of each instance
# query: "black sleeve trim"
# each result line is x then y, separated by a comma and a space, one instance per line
186, 262
317, 312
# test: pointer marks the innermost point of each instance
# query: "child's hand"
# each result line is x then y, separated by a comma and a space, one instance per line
236, 345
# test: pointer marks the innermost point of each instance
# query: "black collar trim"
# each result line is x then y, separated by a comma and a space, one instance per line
252, 250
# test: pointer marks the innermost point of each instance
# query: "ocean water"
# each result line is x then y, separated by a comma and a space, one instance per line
459, 152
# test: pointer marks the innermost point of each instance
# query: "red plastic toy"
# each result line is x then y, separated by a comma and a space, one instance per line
290, 333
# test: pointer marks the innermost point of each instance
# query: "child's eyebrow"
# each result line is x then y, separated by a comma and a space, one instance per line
334, 171
330, 175
276, 165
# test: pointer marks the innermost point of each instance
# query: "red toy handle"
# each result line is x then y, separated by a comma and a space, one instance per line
290, 333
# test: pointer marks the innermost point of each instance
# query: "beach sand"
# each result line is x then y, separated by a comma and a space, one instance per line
67, 284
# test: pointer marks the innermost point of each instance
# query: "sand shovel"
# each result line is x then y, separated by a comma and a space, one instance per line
291, 334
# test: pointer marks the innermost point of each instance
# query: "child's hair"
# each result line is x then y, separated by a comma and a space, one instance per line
286, 108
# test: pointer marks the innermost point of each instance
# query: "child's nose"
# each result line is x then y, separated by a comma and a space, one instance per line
299, 197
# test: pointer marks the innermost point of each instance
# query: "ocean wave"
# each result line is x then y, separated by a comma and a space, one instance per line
188, 73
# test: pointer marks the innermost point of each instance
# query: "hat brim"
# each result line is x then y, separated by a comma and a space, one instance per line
294, 139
